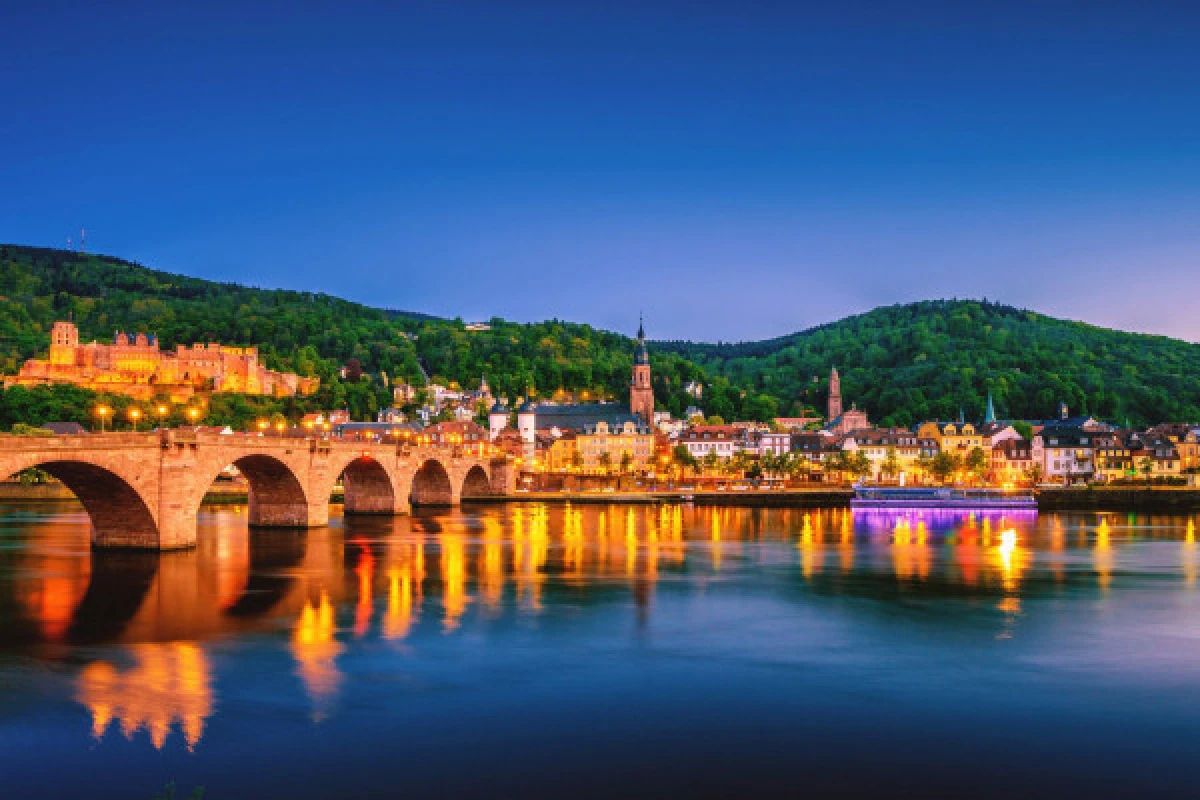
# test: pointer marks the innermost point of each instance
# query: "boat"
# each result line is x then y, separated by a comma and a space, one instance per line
914, 497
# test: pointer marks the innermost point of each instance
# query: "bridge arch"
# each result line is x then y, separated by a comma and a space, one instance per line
276, 497
477, 482
431, 485
368, 487
119, 513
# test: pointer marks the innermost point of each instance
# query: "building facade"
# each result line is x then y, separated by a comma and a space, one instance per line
134, 365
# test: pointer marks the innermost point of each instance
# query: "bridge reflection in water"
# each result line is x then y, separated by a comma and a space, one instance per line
140, 622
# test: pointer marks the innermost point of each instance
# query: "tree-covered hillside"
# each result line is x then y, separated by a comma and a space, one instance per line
315, 334
907, 363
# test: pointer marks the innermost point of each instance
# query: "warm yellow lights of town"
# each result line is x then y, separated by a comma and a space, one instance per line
134, 415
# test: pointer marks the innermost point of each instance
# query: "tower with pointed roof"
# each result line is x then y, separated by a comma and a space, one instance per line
641, 394
990, 415
835, 395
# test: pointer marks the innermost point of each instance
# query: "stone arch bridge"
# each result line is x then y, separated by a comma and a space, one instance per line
143, 490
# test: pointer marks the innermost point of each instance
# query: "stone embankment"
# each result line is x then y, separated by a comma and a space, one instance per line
1098, 498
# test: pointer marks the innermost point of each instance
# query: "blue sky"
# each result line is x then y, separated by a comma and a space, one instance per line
734, 170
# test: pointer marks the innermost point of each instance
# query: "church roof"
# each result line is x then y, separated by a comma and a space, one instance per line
584, 416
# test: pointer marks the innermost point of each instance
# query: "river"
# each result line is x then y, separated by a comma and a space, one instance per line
530, 650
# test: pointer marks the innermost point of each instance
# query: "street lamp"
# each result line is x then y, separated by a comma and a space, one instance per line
262, 425
162, 412
279, 426
134, 415
103, 412
193, 414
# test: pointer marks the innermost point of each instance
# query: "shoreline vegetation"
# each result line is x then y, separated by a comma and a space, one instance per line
1094, 498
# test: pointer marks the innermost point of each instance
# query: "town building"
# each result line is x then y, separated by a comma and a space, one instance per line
721, 440
465, 433
959, 437
899, 446
1013, 460
794, 424
774, 442
134, 365
1067, 454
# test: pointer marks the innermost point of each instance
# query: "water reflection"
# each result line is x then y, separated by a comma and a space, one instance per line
166, 684
315, 595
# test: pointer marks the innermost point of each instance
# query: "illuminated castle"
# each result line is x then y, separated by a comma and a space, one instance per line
134, 365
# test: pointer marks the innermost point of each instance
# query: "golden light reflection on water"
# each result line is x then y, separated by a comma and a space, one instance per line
1102, 554
501, 561
168, 684
454, 579
1188, 556
405, 576
315, 648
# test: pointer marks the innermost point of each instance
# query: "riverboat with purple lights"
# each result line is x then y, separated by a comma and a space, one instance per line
892, 497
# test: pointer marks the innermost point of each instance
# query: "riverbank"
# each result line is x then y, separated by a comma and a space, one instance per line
786, 498
1094, 498
1101, 498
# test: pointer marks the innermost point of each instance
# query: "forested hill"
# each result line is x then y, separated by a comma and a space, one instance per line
315, 334
907, 363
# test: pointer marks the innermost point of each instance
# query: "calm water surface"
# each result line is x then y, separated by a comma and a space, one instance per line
598, 651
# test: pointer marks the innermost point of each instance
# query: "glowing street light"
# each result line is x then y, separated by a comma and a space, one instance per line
102, 412
134, 415
193, 414
263, 425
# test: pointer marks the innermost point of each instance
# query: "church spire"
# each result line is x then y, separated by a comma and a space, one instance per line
990, 415
641, 395
641, 355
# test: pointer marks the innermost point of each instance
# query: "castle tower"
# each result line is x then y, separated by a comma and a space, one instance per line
835, 395
64, 338
641, 394
527, 421
497, 419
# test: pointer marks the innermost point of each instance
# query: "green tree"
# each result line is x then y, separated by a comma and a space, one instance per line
944, 465
890, 466
977, 463
1146, 467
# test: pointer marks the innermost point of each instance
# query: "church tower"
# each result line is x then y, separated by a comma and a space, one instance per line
835, 395
641, 395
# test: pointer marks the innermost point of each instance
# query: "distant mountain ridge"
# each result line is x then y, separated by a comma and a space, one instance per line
902, 363
929, 359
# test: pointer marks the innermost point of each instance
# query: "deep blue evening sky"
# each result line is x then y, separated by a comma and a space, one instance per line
736, 170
